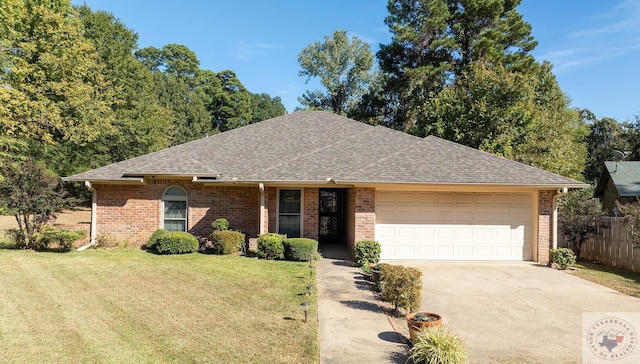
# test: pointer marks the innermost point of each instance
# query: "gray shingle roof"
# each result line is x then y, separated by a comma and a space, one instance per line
313, 146
625, 176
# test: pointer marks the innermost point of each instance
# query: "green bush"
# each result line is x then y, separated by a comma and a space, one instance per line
402, 286
156, 236
64, 238
300, 249
366, 252
220, 224
176, 243
563, 257
226, 242
270, 246
436, 344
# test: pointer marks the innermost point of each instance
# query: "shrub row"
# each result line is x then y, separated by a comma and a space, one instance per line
172, 242
50, 235
278, 246
225, 242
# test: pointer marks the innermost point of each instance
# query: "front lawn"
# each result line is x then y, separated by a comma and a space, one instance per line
129, 306
618, 279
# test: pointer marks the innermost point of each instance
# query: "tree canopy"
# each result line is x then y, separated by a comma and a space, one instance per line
77, 92
343, 66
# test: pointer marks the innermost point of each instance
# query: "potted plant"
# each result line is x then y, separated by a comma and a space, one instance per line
416, 321
438, 344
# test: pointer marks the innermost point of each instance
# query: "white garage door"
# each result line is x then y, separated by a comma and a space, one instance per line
454, 225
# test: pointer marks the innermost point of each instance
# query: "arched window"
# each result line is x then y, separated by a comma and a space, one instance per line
174, 201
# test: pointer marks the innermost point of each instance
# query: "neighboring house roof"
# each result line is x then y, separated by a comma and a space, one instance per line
624, 175
316, 146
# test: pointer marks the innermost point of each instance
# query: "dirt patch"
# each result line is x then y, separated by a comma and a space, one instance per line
80, 215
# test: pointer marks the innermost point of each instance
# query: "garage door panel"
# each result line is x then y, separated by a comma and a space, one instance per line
454, 226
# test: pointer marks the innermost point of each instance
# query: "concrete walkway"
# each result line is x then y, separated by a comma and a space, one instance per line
352, 326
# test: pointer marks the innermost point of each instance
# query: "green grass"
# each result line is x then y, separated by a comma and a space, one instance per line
128, 306
618, 279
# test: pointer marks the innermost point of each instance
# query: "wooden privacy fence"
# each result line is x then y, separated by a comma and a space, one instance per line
611, 245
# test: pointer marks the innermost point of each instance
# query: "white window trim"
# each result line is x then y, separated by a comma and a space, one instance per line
301, 209
175, 198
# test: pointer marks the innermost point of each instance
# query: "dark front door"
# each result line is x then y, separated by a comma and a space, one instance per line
331, 216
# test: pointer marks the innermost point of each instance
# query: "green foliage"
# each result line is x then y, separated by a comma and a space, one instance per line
343, 66
156, 237
270, 246
402, 286
578, 214
366, 252
300, 249
605, 136
176, 242
50, 235
563, 257
220, 224
31, 194
438, 345
265, 107
226, 242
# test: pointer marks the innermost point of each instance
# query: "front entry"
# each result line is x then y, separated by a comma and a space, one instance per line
331, 215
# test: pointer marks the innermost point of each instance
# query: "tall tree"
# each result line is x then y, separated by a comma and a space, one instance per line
265, 107
55, 90
344, 68
435, 41
605, 136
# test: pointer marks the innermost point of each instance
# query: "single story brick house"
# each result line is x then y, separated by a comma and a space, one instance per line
323, 176
619, 181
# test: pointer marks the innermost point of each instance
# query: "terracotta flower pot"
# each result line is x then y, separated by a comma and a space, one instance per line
414, 326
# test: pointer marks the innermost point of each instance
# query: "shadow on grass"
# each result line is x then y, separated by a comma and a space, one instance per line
632, 276
7, 245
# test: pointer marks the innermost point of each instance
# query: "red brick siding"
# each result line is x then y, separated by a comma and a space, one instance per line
271, 206
311, 219
133, 212
365, 214
545, 215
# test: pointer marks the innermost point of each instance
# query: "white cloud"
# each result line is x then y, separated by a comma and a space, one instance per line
607, 36
244, 51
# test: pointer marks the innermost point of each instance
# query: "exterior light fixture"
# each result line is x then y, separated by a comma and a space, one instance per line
305, 306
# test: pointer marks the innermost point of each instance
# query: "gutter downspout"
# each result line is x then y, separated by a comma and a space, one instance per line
94, 208
555, 216
261, 187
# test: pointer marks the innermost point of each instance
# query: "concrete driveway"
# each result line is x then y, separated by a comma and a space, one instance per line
516, 312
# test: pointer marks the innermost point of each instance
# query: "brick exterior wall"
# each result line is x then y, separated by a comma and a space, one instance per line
133, 212
545, 222
311, 218
364, 216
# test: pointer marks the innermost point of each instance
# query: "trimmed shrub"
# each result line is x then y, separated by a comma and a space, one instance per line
402, 286
366, 252
436, 344
563, 257
226, 242
270, 246
155, 237
220, 224
300, 249
176, 243
50, 235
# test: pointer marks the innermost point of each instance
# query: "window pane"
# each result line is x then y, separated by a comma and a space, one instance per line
175, 225
290, 201
175, 209
290, 225
175, 191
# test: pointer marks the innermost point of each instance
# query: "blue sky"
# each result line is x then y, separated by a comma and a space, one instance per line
594, 45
